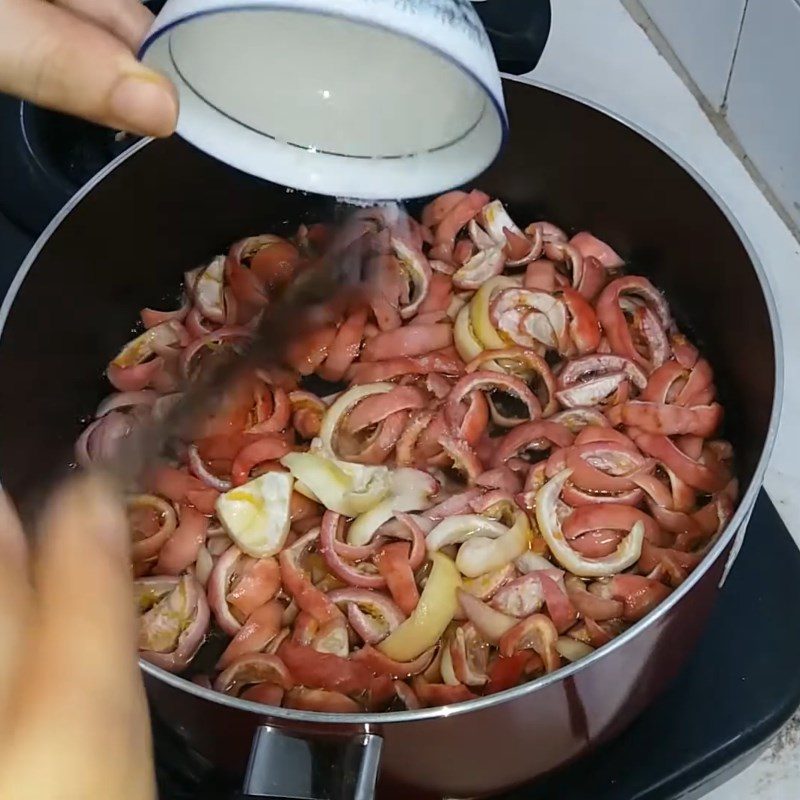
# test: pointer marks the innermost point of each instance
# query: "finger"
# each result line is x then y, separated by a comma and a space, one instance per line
15, 599
58, 60
128, 20
82, 694
83, 585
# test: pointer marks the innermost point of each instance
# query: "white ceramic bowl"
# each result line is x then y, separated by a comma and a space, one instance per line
373, 99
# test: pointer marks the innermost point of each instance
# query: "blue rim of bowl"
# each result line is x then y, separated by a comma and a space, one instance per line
499, 107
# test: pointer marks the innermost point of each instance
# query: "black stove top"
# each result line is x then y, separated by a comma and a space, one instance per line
719, 715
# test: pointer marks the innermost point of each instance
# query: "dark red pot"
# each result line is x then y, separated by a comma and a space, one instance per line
123, 243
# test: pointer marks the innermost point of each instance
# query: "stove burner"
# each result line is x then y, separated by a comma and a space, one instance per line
69, 147
45, 157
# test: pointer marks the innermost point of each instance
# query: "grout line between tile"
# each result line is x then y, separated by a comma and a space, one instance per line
724, 105
718, 120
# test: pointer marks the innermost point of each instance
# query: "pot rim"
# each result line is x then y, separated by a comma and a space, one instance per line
738, 520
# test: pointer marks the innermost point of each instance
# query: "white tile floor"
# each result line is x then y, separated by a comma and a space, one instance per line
597, 51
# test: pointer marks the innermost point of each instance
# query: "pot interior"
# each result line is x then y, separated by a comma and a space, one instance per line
167, 207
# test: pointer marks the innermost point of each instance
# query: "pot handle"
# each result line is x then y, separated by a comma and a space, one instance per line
283, 765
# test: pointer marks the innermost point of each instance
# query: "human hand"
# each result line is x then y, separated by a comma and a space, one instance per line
78, 56
73, 715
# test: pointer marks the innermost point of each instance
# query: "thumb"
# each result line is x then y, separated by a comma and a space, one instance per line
61, 61
80, 700
83, 584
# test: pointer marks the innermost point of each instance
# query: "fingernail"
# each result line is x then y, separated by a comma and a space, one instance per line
13, 545
143, 103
